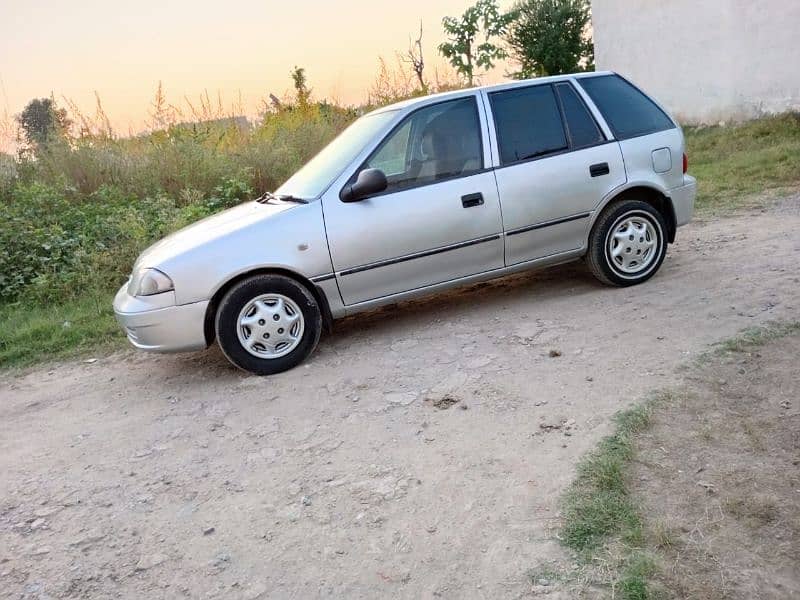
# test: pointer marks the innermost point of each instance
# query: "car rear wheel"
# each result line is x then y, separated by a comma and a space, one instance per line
268, 323
627, 244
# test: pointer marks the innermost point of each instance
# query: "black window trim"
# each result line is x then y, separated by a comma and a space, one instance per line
564, 115
643, 93
484, 169
570, 148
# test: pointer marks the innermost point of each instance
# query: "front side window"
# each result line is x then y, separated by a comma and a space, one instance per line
436, 142
528, 123
627, 111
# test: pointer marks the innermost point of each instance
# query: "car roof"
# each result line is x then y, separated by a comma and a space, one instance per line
433, 98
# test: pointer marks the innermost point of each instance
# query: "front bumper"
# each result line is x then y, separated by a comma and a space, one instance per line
156, 324
683, 200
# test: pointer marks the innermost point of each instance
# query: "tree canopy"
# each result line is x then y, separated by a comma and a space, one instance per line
463, 49
550, 37
41, 121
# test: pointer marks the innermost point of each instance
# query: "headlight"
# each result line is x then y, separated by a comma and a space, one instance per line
146, 282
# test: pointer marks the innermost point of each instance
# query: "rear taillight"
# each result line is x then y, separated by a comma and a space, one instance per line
685, 163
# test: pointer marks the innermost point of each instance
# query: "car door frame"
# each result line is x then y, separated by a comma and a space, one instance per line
497, 164
332, 195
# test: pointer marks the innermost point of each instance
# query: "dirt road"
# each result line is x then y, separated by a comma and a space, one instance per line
420, 453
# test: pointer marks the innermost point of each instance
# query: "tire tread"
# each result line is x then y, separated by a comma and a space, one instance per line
251, 287
595, 253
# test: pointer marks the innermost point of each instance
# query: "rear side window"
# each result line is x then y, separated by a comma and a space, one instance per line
528, 123
581, 127
628, 111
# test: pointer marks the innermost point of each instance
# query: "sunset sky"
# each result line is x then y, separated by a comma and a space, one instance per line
121, 50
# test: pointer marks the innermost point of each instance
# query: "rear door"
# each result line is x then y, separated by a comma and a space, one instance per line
554, 166
438, 220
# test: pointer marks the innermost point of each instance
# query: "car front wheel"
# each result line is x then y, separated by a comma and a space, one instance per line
627, 244
268, 323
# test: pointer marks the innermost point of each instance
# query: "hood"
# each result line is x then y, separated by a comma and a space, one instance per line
211, 228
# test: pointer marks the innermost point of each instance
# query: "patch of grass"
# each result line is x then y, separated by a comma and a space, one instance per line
598, 508
597, 504
756, 510
737, 163
754, 337
32, 333
633, 584
664, 535
750, 339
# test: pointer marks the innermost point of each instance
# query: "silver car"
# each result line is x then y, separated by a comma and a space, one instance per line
419, 197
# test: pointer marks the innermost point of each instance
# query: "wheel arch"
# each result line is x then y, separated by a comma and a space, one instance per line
653, 196
213, 304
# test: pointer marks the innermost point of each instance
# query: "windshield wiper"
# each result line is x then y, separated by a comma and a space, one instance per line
290, 198
268, 197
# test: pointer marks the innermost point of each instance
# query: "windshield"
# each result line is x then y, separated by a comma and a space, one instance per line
318, 173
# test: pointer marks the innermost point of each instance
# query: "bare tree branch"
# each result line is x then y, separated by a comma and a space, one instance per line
415, 58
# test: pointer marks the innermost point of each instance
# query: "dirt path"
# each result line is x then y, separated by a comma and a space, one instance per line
144, 476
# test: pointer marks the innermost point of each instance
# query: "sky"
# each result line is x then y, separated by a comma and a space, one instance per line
236, 48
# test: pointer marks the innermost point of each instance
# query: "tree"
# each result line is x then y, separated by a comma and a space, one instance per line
301, 90
42, 121
551, 37
463, 50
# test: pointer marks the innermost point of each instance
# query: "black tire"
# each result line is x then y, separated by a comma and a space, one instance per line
611, 270
243, 294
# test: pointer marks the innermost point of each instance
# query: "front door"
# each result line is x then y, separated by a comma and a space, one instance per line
439, 218
555, 168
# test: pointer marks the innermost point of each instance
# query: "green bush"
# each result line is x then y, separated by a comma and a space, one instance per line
56, 244
74, 217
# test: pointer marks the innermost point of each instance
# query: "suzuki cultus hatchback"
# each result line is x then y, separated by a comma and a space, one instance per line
415, 198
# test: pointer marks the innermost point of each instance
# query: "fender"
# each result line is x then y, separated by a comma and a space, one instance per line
653, 193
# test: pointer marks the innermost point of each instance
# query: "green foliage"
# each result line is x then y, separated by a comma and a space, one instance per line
55, 245
738, 165
635, 574
550, 37
302, 93
74, 218
42, 121
463, 49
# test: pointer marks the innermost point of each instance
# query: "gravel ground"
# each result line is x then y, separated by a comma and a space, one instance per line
420, 453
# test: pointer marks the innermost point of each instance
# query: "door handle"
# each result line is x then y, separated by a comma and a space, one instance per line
472, 200
599, 169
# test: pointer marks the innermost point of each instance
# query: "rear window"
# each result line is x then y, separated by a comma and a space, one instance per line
528, 123
628, 111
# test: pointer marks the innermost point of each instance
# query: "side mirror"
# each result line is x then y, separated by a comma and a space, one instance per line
368, 182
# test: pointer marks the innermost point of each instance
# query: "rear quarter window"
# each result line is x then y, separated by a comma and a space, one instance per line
583, 131
628, 112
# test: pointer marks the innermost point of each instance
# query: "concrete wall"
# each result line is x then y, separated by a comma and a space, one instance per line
705, 60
